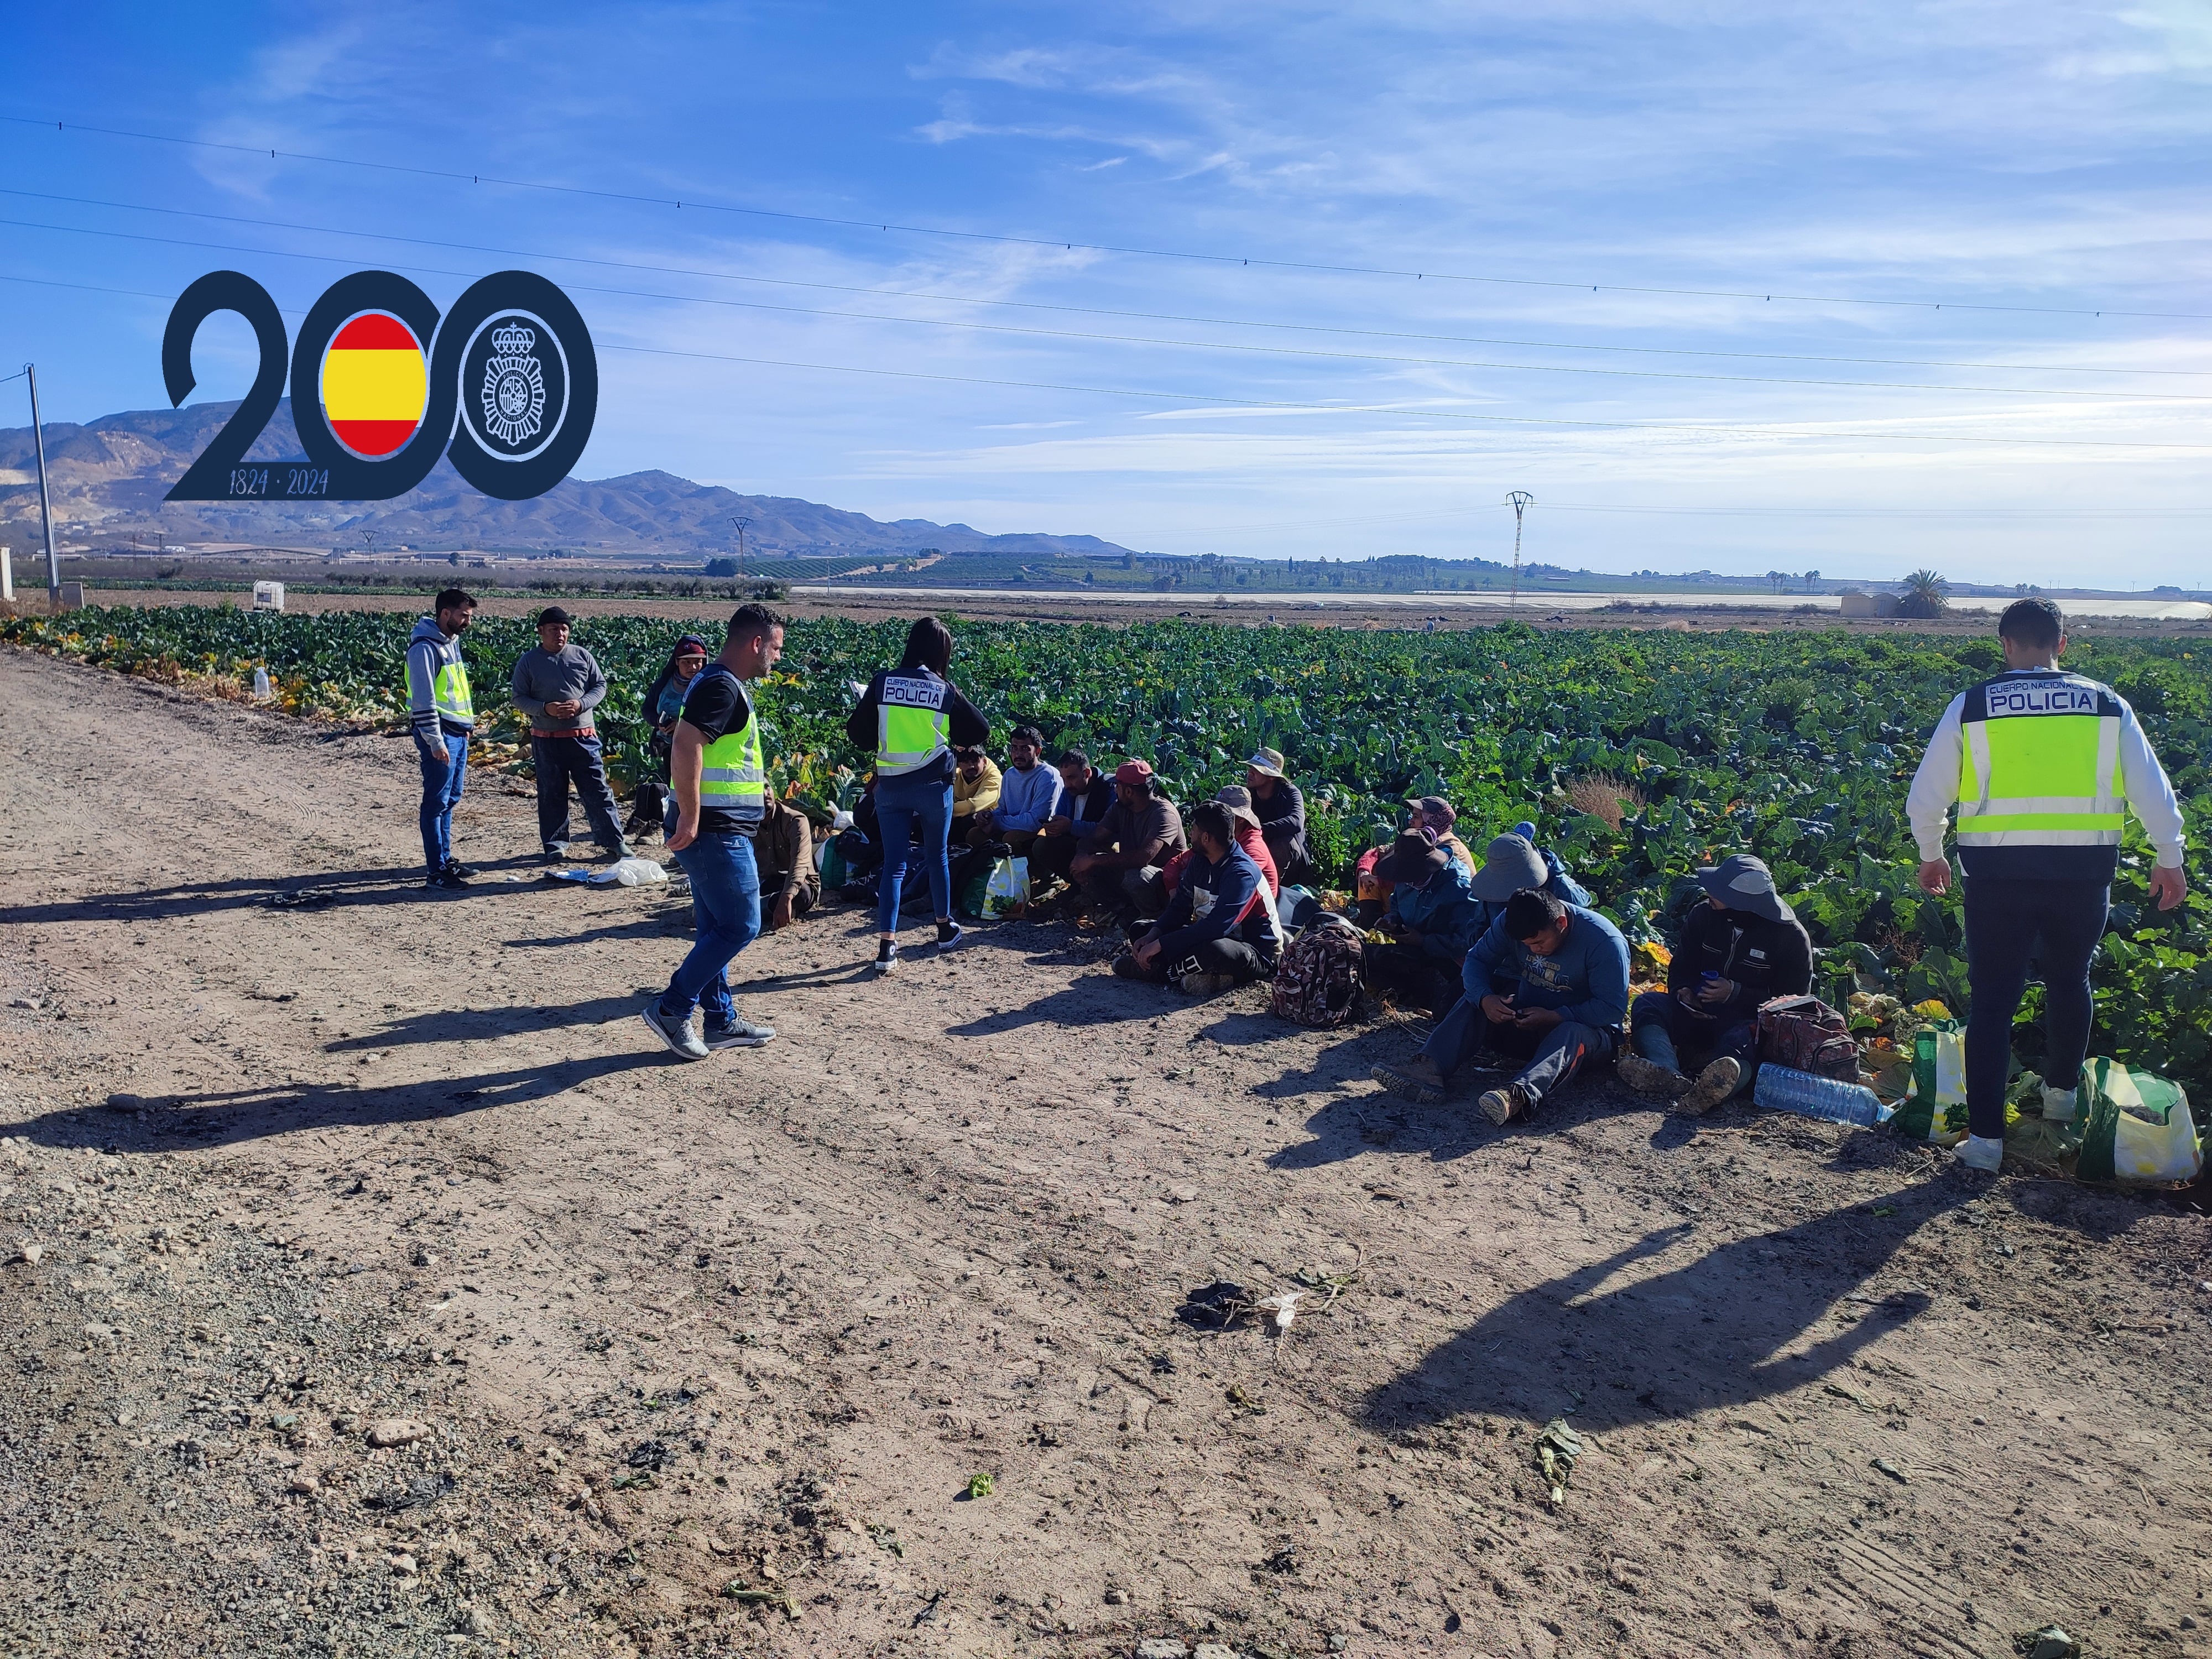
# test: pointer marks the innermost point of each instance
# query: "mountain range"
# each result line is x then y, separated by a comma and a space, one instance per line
107, 477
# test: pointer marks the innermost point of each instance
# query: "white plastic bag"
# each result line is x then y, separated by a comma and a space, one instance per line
630, 873
1007, 892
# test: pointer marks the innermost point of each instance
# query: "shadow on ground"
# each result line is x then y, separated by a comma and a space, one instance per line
1730, 1325
232, 1117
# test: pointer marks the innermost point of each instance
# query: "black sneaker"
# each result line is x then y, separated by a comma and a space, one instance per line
887, 957
950, 936
445, 878
455, 867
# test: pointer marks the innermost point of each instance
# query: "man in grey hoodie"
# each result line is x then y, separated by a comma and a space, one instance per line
556, 686
443, 715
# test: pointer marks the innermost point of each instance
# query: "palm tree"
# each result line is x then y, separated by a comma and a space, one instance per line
1926, 594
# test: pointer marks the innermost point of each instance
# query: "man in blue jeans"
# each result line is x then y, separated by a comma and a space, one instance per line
441, 714
1569, 969
721, 789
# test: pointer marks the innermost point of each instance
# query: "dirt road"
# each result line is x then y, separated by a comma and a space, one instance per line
707, 1359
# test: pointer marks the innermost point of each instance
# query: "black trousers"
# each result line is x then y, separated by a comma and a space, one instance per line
2014, 927
1428, 982
1216, 955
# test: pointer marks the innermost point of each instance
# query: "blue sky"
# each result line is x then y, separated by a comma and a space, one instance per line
2022, 167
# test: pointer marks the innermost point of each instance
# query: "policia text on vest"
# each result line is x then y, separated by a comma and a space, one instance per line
2044, 767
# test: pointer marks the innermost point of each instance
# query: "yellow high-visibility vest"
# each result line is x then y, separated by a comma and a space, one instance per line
912, 727
2040, 765
732, 778
449, 690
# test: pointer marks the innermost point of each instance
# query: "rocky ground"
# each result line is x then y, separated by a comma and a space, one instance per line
378, 1288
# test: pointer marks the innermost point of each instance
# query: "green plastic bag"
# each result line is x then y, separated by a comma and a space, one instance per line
2139, 1127
1935, 1109
834, 873
972, 892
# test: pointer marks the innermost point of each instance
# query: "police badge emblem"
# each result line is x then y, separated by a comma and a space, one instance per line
513, 386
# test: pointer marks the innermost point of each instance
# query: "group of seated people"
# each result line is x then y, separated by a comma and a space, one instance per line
1526, 979
1542, 990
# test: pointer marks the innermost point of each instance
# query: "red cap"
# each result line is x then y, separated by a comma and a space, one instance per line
1133, 771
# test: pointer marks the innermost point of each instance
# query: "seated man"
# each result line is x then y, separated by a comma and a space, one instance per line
1238, 800
1741, 947
1086, 795
1282, 813
1372, 892
1432, 919
1028, 795
1570, 971
1220, 929
975, 786
783, 850
1119, 866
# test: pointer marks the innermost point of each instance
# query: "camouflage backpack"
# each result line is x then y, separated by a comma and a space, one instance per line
1806, 1035
1317, 982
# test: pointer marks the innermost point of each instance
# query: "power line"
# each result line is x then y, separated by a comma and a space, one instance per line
886, 225
1057, 334
1399, 409
1095, 311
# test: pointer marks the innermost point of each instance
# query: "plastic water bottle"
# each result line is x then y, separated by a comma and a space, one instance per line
261, 687
1781, 1089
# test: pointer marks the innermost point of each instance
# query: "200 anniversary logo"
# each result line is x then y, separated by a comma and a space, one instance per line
380, 382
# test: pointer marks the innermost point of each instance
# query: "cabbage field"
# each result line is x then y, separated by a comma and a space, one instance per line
1641, 755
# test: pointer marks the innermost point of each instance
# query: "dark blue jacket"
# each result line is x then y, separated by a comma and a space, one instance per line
1218, 900
1449, 917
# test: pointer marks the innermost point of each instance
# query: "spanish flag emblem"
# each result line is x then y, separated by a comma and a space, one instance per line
375, 385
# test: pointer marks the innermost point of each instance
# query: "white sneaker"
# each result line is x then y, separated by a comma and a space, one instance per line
2058, 1105
1983, 1152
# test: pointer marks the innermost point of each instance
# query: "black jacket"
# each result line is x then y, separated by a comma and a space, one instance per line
1764, 958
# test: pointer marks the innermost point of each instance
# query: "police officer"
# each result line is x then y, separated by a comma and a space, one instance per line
721, 793
2044, 766
443, 716
913, 718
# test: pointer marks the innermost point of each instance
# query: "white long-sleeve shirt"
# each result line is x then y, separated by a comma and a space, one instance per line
2151, 794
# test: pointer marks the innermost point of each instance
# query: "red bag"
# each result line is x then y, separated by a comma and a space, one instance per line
1806, 1035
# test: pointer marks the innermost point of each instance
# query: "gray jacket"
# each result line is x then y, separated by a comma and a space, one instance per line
542, 677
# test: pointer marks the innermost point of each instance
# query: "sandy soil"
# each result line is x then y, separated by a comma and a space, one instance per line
1114, 613
705, 1357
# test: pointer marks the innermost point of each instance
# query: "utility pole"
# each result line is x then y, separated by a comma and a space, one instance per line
1520, 500
741, 524
46, 501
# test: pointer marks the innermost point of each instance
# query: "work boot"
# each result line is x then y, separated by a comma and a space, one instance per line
617, 853
1983, 1152
1649, 1077
1714, 1084
1416, 1080
1127, 968
1502, 1106
683, 1042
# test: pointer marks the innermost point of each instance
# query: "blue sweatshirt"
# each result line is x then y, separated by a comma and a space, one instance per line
1586, 979
1027, 799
